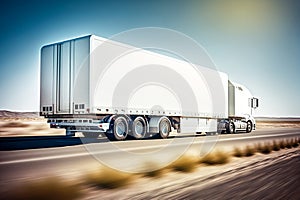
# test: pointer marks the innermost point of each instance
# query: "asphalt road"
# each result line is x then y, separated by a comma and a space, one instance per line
24, 158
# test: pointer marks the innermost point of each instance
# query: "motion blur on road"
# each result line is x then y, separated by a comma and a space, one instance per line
31, 151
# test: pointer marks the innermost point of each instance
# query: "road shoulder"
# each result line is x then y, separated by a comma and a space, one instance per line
267, 176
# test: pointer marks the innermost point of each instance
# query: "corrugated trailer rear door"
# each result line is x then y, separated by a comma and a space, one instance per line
63, 78
80, 96
47, 80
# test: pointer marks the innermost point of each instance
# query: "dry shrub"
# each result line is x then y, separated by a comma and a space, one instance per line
46, 189
109, 178
258, 147
154, 173
282, 144
237, 152
266, 148
15, 125
215, 158
153, 170
275, 146
39, 127
185, 163
249, 151
295, 142
288, 144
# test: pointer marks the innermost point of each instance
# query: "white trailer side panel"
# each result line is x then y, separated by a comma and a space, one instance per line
95, 75
125, 79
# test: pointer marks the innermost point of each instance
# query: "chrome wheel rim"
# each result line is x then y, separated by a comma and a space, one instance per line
164, 128
120, 128
139, 128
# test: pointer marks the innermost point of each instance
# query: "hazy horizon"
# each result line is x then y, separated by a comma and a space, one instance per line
255, 42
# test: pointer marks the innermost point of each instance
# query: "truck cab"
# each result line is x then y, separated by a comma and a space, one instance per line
241, 105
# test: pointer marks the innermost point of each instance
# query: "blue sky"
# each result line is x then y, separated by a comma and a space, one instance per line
255, 42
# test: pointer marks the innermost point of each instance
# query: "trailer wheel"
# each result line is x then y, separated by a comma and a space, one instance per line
230, 128
139, 128
120, 128
164, 128
249, 127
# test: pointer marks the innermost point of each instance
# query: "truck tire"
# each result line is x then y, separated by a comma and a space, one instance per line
164, 128
120, 129
249, 127
230, 129
139, 128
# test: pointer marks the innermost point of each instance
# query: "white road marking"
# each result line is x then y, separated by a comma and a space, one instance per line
133, 149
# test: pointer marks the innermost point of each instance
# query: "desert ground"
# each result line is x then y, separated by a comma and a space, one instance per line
31, 124
273, 175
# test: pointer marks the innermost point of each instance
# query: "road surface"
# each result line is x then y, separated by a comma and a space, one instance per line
24, 158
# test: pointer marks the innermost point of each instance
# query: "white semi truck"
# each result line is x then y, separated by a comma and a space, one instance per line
95, 85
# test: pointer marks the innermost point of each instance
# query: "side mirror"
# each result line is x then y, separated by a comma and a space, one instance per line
254, 102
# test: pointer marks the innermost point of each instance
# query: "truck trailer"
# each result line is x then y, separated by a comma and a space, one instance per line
95, 85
